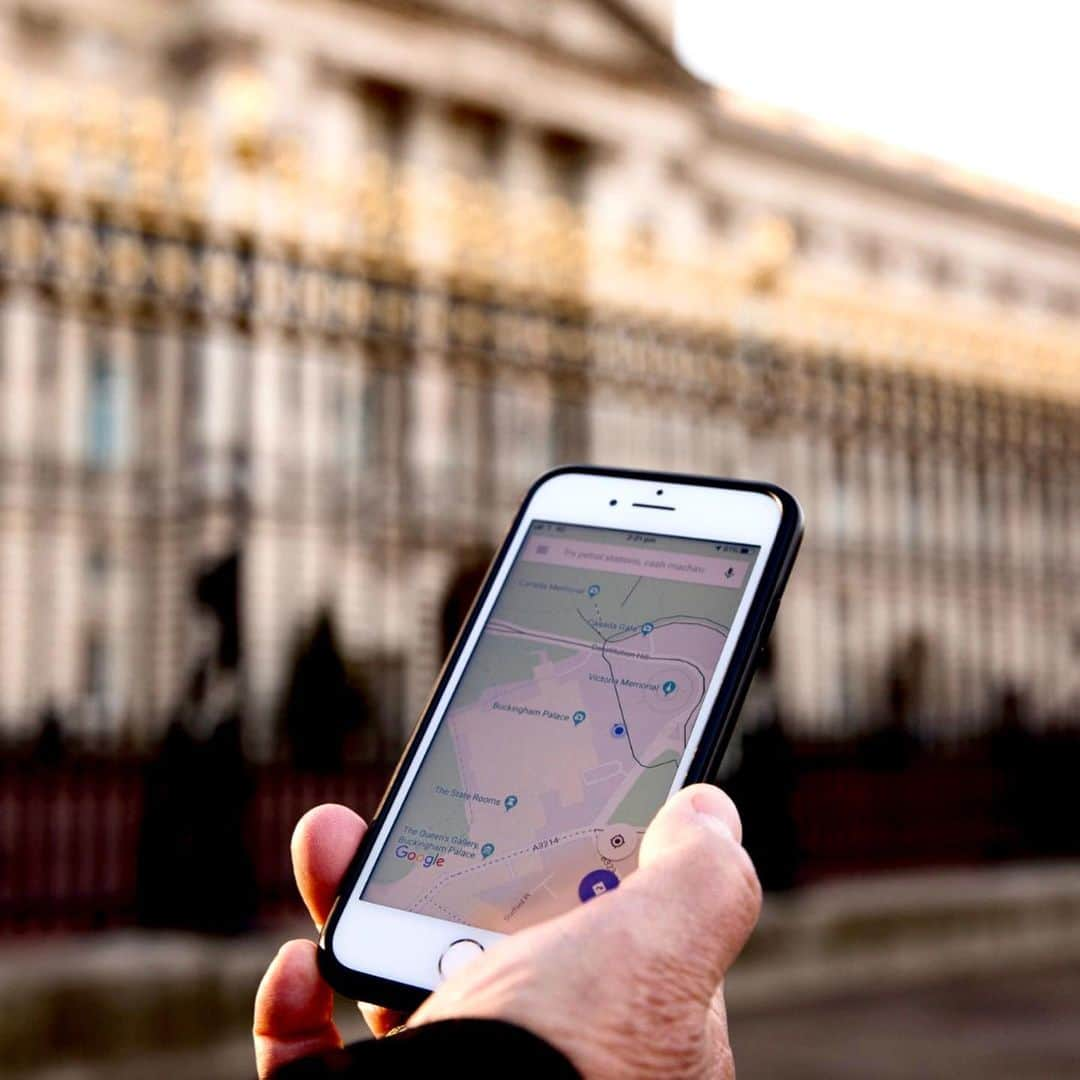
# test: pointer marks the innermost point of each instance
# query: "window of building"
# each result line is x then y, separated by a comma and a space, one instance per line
570, 428
38, 34
643, 235
1004, 288
147, 389
373, 415
939, 269
104, 412
341, 413
292, 374
48, 350
845, 674
1064, 301
678, 170
386, 111
916, 510
802, 231
719, 215
567, 166
983, 497
192, 398
346, 421
841, 490
869, 252
95, 668
478, 140
97, 562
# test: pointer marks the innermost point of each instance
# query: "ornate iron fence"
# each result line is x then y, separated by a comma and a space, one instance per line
235, 395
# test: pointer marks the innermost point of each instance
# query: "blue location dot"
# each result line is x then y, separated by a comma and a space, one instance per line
647, 628
487, 849
669, 687
595, 883
510, 802
578, 717
618, 730
594, 590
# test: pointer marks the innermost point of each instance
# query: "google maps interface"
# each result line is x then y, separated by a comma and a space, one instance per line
564, 734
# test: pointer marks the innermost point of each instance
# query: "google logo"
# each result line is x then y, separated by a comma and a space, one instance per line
426, 861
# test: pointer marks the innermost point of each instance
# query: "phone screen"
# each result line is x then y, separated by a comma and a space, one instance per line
564, 733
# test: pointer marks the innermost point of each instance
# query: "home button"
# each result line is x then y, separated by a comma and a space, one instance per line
457, 955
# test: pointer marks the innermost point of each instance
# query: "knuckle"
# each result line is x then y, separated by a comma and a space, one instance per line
742, 888
715, 847
753, 883
727, 875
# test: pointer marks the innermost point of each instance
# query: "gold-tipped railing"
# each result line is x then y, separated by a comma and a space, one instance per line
89, 156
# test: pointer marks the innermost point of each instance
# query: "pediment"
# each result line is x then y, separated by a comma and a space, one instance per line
622, 37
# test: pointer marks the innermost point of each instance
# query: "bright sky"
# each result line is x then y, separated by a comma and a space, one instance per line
993, 87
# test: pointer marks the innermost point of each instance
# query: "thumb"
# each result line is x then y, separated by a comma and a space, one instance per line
699, 884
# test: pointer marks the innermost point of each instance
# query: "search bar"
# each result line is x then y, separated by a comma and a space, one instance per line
613, 558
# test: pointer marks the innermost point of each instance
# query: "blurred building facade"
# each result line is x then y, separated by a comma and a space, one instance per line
306, 294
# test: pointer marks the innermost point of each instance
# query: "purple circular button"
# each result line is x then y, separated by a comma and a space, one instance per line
595, 883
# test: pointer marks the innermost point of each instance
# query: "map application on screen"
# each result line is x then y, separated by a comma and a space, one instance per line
566, 728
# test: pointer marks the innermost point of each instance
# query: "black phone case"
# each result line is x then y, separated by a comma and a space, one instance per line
714, 740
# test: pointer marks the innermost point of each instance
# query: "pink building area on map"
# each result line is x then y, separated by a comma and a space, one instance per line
614, 558
641, 692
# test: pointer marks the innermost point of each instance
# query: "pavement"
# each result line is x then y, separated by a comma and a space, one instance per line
1016, 1025
953, 974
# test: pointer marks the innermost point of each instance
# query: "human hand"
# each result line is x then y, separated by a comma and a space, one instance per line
628, 985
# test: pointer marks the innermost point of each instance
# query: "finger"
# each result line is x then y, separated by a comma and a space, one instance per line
294, 1010
323, 843
698, 885
380, 1020
709, 799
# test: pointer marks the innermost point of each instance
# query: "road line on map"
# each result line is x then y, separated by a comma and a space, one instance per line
453, 916
631, 592
676, 620
521, 631
493, 862
590, 625
673, 620
625, 723
701, 696
618, 700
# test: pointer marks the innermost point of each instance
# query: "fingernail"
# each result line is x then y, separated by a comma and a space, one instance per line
712, 803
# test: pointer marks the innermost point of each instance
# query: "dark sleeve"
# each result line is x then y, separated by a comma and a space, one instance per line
487, 1049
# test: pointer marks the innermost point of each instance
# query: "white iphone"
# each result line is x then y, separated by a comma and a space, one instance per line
601, 669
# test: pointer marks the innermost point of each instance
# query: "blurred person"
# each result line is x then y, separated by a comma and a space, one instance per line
629, 985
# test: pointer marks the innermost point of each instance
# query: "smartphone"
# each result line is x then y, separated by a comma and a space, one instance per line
600, 669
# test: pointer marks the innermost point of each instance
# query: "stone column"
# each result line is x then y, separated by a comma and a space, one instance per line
19, 327
168, 592
430, 450
72, 540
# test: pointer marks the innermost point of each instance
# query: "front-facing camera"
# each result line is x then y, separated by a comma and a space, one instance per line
613, 502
